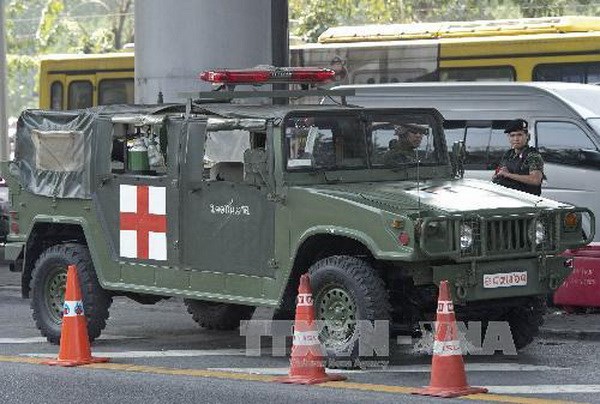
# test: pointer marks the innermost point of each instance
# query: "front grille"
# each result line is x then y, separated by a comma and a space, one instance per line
509, 235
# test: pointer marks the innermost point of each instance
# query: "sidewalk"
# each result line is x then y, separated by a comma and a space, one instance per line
558, 324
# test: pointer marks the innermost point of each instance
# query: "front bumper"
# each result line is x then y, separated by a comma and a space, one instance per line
13, 250
543, 275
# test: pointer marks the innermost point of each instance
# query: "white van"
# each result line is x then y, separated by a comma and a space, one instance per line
564, 121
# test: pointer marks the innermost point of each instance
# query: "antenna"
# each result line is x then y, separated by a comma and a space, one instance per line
418, 182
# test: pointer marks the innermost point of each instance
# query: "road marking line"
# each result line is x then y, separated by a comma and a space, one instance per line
157, 354
34, 340
546, 389
472, 367
381, 388
262, 378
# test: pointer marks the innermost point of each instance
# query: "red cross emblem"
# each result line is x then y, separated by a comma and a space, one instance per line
143, 221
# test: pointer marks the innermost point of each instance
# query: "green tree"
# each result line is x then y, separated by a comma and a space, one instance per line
313, 17
37, 27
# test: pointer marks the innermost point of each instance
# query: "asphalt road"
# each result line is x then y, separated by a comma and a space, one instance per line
159, 355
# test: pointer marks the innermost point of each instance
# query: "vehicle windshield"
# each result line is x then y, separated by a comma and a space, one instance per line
595, 123
361, 140
585, 96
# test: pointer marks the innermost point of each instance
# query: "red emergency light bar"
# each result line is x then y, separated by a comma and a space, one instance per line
304, 75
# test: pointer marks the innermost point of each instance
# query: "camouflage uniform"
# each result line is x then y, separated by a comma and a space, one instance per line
521, 163
533, 162
399, 154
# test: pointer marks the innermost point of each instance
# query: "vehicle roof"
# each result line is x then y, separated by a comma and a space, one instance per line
262, 111
226, 110
78, 56
460, 98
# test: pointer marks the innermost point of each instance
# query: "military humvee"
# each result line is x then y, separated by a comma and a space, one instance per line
226, 204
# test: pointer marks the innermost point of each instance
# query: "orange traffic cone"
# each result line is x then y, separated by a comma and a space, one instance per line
74, 341
448, 377
307, 358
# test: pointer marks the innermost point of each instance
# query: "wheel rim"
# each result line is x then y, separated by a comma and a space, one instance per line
55, 293
337, 309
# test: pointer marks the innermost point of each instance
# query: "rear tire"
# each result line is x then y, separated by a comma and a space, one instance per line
218, 316
346, 290
48, 283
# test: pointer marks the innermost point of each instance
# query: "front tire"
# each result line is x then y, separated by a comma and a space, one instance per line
48, 283
525, 321
218, 316
346, 290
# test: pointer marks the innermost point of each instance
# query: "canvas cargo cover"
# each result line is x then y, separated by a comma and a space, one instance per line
53, 149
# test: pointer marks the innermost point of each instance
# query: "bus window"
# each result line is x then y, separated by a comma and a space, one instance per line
80, 94
56, 96
115, 91
569, 72
493, 73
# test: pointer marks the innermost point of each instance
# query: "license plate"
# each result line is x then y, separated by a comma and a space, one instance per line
504, 280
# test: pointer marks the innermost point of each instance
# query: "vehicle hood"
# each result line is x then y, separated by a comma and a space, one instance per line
452, 197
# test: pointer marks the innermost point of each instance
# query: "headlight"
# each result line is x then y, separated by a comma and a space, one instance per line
466, 236
539, 233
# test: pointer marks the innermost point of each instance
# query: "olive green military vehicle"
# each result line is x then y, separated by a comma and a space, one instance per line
226, 204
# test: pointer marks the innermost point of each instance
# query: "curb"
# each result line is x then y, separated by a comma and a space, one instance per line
570, 334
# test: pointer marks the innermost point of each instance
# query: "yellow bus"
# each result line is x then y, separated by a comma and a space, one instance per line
527, 49
80, 81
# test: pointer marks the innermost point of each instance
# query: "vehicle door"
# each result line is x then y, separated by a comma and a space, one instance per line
570, 163
227, 220
138, 208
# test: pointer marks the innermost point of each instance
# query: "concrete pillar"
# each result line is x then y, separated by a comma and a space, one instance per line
175, 41
4, 141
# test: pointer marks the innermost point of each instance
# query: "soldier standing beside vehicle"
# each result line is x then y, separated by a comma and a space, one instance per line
521, 167
403, 149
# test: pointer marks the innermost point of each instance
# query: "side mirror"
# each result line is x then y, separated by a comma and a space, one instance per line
589, 157
458, 159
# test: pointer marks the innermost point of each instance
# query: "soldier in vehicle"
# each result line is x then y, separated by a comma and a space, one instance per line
521, 167
403, 149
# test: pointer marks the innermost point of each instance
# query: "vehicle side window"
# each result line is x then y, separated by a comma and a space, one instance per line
491, 73
561, 142
56, 96
80, 94
485, 142
498, 144
477, 139
454, 131
568, 72
139, 150
115, 91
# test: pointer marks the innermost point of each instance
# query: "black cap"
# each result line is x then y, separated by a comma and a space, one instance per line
516, 125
